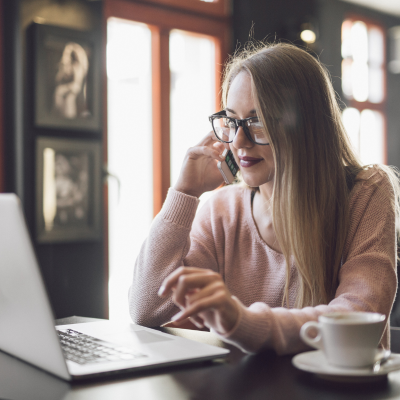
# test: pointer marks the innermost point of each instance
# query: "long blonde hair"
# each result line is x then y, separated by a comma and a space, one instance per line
315, 166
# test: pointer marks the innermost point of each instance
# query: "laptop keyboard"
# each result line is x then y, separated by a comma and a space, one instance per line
84, 349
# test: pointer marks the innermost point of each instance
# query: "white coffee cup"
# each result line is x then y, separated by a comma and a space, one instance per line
348, 340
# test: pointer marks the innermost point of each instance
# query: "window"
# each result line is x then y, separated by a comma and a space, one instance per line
363, 85
192, 96
163, 79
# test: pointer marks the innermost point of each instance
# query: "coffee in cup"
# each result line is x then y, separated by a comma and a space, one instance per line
348, 340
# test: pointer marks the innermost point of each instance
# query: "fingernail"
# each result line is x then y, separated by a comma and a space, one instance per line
198, 324
221, 157
177, 316
161, 290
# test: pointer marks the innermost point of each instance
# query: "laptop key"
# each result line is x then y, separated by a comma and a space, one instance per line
84, 349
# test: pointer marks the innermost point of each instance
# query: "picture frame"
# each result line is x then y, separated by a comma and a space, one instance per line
68, 190
67, 79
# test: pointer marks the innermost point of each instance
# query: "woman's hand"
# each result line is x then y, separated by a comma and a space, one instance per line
203, 297
199, 172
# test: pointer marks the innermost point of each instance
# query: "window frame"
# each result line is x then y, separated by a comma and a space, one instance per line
161, 21
363, 105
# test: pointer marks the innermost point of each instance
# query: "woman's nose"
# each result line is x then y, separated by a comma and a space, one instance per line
241, 140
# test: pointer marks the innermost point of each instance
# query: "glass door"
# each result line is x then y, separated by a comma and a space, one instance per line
162, 78
192, 96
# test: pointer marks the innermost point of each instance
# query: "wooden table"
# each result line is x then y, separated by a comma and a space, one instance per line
262, 376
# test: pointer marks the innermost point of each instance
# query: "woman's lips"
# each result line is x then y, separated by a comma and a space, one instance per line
247, 162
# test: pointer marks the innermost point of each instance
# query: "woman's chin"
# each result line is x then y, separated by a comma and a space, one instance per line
251, 181
256, 181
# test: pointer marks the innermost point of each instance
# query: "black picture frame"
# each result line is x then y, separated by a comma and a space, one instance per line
68, 190
67, 78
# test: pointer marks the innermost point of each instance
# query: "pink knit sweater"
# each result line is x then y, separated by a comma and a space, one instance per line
223, 237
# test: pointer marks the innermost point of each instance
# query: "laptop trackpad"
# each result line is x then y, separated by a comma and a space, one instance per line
148, 337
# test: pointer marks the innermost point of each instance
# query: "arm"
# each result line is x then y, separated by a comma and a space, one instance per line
178, 236
169, 242
367, 280
161, 253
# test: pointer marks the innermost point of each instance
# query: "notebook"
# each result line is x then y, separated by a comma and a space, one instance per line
76, 351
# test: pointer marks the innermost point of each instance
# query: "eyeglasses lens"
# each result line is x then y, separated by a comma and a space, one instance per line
224, 129
257, 132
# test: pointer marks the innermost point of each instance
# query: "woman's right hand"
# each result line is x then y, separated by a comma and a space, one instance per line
199, 172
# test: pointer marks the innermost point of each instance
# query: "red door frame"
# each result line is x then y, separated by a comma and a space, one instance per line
160, 20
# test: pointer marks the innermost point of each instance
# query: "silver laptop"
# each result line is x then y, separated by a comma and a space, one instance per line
71, 351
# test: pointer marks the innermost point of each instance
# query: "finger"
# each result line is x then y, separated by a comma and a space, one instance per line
203, 304
215, 141
201, 151
184, 323
222, 145
207, 291
219, 146
188, 323
171, 280
188, 282
198, 321
195, 319
209, 138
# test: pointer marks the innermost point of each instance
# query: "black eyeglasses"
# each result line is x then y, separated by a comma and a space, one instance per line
225, 128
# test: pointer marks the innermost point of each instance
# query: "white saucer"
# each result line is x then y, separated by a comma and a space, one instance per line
315, 362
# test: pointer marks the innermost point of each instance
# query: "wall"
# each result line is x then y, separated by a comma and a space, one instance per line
269, 19
73, 272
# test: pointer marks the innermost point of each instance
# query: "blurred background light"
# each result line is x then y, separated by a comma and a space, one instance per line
308, 36
351, 121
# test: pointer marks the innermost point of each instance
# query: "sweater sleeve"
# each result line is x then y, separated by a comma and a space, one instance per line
367, 279
172, 242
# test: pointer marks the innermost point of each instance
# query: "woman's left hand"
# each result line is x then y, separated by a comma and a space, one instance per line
203, 297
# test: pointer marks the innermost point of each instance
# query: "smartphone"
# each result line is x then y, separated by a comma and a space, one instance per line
228, 168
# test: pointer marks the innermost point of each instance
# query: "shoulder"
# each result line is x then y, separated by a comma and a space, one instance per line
372, 213
373, 187
373, 179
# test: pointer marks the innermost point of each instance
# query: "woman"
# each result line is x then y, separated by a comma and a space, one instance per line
70, 92
309, 232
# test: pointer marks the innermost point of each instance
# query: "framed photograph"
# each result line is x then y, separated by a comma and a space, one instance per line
68, 190
67, 79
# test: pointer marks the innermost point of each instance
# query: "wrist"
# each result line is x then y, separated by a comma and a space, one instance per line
187, 191
235, 319
232, 317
